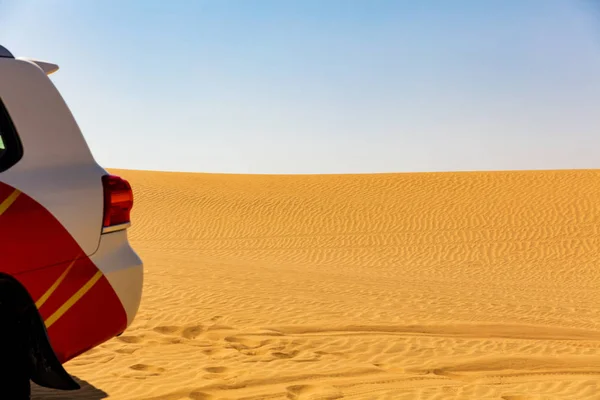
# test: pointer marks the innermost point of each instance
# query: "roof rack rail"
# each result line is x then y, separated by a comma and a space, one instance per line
4, 53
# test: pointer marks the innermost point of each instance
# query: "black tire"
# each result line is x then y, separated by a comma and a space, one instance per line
14, 357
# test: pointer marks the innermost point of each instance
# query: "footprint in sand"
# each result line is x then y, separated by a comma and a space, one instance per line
213, 351
143, 371
126, 350
130, 339
244, 343
313, 392
197, 395
172, 340
191, 332
216, 370
146, 368
167, 330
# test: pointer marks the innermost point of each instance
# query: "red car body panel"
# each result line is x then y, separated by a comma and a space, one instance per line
79, 307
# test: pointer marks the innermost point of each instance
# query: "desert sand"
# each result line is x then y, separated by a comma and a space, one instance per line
475, 285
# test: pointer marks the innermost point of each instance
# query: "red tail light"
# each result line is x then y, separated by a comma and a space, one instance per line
118, 201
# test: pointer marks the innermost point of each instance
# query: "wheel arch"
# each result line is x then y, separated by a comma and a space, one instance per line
46, 370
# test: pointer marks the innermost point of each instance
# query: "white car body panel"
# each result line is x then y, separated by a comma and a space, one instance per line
59, 171
123, 268
57, 168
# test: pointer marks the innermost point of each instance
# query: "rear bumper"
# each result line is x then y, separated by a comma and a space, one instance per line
123, 269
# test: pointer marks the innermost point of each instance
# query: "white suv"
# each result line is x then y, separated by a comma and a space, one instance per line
69, 280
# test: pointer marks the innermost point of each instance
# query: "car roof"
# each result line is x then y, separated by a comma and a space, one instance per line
4, 53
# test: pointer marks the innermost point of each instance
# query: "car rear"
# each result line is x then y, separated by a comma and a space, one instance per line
66, 218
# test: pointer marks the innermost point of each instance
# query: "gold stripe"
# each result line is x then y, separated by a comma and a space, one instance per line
52, 288
9, 200
69, 303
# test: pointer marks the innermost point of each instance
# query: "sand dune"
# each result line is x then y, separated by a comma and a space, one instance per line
390, 286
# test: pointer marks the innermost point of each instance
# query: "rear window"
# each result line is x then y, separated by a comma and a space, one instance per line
11, 149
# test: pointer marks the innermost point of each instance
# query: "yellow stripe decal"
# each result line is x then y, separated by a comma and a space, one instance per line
52, 288
69, 303
9, 200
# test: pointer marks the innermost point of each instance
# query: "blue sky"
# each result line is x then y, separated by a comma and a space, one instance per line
327, 86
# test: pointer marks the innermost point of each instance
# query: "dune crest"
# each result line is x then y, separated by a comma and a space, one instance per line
481, 285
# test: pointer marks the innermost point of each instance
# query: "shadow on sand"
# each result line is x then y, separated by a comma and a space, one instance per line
87, 392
